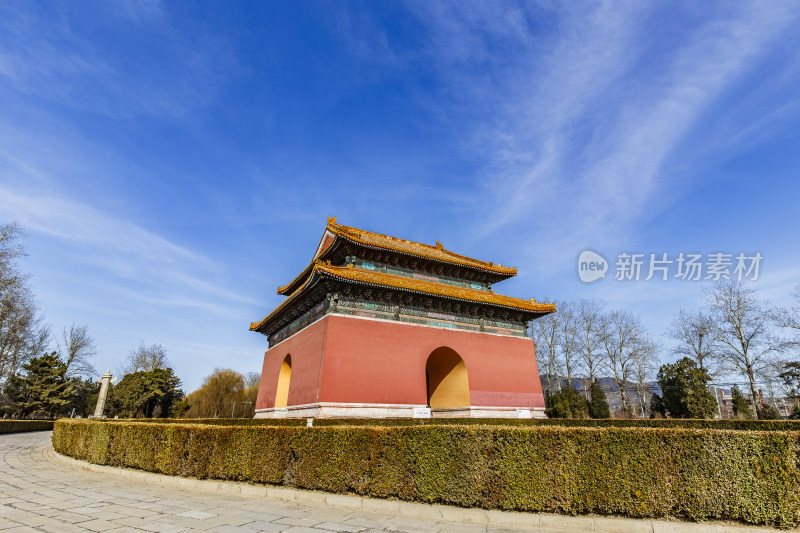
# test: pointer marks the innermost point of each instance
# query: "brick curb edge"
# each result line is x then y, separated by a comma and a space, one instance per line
492, 518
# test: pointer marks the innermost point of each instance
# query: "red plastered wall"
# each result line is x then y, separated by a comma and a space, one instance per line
343, 359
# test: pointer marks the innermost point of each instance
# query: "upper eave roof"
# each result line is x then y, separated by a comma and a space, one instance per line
385, 242
379, 279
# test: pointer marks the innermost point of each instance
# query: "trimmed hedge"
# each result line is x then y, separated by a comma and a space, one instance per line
738, 425
21, 426
691, 474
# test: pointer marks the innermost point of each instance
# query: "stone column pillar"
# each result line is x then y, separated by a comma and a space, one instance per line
105, 382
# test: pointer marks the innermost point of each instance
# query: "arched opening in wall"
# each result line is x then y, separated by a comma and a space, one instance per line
282, 394
446, 376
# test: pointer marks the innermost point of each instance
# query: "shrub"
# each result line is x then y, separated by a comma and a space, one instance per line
20, 426
638, 472
687, 423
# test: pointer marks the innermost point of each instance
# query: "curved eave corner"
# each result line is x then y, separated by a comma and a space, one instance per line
258, 326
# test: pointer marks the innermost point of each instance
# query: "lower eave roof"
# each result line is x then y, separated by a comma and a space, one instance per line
351, 274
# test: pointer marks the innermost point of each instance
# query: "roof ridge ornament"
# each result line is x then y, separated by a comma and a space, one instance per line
336, 233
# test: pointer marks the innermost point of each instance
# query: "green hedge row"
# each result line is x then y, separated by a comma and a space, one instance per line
742, 425
638, 472
20, 426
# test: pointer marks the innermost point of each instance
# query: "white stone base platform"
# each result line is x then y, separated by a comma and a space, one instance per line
371, 410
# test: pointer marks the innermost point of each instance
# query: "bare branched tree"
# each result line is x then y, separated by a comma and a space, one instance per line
568, 349
22, 332
645, 364
591, 328
621, 331
40, 339
252, 382
10, 250
146, 358
218, 396
693, 331
252, 379
789, 318
77, 351
743, 329
545, 334
770, 376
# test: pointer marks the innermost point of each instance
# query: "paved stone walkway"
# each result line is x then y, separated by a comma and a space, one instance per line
41, 493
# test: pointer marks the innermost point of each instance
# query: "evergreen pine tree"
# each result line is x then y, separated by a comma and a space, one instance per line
43, 392
769, 412
568, 403
685, 393
657, 408
150, 394
741, 409
598, 406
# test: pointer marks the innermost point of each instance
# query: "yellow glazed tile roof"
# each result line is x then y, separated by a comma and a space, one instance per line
357, 275
385, 242
369, 238
255, 325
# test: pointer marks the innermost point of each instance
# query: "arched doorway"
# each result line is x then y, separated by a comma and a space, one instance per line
446, 376
282, 394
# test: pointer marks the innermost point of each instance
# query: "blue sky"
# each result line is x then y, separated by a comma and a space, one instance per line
174, 162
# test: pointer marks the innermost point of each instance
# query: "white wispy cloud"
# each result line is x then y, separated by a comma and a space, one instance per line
622, 183
582, 125
124, 250
43, 53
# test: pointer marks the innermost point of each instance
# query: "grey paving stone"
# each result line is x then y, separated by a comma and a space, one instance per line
230, 529
21, 529
197, 515
464, 528
64, 528
373, 522
84, 510
407, 521
27, 518
132, 521
72, 518
163, 528
99, 525
415, 529
345, 528
294, 521
5, 523
253, 515
260, 525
